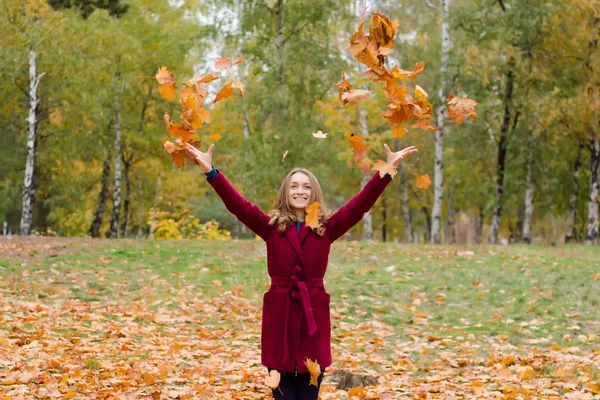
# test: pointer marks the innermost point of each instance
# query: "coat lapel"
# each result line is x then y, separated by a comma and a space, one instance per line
303, 233
291, 234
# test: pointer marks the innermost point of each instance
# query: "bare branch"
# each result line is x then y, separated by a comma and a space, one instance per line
502, 5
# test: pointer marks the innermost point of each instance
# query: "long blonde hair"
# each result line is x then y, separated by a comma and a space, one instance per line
283, 214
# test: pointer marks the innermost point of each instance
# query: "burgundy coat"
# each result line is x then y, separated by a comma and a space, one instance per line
295, 321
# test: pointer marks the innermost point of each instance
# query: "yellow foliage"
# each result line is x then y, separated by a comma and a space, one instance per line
171, 225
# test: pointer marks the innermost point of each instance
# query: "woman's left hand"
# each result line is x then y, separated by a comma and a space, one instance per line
395, 158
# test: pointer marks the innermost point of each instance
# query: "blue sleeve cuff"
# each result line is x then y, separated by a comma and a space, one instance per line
388, 176
210, 175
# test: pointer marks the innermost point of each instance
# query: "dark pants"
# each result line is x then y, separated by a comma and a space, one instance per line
292, 387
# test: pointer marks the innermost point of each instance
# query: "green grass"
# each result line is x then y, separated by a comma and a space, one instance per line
541, 295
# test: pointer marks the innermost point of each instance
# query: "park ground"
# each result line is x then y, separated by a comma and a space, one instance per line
139, 319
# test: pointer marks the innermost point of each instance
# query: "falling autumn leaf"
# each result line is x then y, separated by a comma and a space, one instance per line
176, 129
319, 135
460, 108
423, 181
355, 96
167, 79
409, 75
177, 151
239, 60
313, 366
239, 86
223, 63
273, 379
225, 92
384, 168
215, 137
357, 142
209, 77
422, 124
420, 93
284, 155
398, 131
312, 217
344, 86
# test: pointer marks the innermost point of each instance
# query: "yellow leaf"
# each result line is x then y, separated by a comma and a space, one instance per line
357, 392
398, 131
423, 181
420, 93
312, 215
319, 135
209, 77
69, 395
313, 366
167, 92
273, 379
284, 155
526, 373
215, 137
225, 92
239, 86
384, 168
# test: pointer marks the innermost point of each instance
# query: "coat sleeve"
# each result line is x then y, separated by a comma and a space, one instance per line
352, 212
248, 214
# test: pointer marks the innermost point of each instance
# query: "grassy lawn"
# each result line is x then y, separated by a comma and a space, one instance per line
87, 318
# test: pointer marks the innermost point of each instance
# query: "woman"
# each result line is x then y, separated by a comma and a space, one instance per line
296, 323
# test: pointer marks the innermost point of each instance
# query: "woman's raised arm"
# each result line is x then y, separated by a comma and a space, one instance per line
246, 212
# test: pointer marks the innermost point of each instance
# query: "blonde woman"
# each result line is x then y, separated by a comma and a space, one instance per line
296, 324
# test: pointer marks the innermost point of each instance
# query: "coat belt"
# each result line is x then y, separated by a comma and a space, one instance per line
295, 285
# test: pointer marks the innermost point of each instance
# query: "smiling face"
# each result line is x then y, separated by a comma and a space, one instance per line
299, 192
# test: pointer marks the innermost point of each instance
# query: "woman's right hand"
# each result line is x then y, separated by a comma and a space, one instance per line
195, 156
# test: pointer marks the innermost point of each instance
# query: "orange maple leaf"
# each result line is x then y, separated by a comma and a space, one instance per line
384, 168
239, 60
409, 75
209, 77
176, 129
223, 63
398, 131
215, 137
355, 96
344, 86
313, 367
177, 151
312, 216
225, 92
424, 125
423, 181
357, 142
460, 108
167, 79
167, 92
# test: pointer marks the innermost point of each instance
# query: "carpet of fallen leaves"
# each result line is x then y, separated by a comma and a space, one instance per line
192, 346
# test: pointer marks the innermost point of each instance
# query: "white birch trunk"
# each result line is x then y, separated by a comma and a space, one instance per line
592, 227
114, 223
529, 192
28, 182
573, 195
438, 185
368, 217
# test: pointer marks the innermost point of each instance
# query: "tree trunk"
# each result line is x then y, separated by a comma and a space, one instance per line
502, 148
280, 40
139, 233
155, 207
426, 236
451, 229
127, 161
573, 195
366, 176
592, 222
479, 227
438, 186
406, 214
32, 121
117, 151
529, 192
384, 221
102, 197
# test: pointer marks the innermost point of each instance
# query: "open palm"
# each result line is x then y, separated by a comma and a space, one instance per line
395, 158
197, 157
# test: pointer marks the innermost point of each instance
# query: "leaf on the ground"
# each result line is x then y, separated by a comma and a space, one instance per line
357, 392
313, 366
223, 63
273, 379
384, 168
460, 108
319, 135
312, 217
526, 373
423, 181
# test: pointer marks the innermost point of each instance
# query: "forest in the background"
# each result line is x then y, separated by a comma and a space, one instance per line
81, 116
